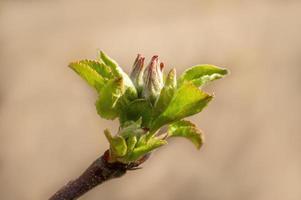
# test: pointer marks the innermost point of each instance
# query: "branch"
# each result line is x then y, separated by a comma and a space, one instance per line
98, 172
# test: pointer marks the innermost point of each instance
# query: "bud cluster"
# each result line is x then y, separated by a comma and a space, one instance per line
148, 80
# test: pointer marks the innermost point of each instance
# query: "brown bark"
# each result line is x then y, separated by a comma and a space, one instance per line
98, 172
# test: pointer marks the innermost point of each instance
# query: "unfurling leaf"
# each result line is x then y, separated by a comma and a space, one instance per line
167, 93
131, 142
187, 130
117, 144
130, 90
144, 148
131, 128
106, 104
201, 74
188, 100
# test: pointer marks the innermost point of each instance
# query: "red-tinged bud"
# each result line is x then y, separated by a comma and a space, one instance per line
137, 73
153, 79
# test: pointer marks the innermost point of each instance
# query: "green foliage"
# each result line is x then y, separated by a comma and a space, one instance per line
118, 145
145, 147
88, 73
201, 74
139, 108
117, 72
110, 93
187, 100
100, 68
187, 130
167, 93
158, 103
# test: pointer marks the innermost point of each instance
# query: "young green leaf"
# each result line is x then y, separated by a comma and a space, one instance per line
167, 93
142, 140
117, 144
131, 128
188, 100
110, 63
139, 108
131, 143
100, 68
144, 149
187, 130
88, 73
201, 74
131, 91
106, 104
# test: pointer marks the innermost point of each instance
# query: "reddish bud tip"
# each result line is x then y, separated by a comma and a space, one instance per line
161, 66
154, 58
137, 72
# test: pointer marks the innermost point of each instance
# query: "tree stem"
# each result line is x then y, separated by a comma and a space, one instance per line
98, 172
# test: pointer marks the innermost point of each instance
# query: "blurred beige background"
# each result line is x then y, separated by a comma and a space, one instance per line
49, 129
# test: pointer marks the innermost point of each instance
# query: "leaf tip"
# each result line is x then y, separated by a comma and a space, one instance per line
108, 134
200, 142
72, 64
225, 71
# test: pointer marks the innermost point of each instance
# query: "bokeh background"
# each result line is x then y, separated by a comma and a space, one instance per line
49, 129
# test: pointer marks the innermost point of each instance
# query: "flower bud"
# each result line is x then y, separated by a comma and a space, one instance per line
137, 73
153, 79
